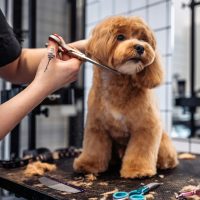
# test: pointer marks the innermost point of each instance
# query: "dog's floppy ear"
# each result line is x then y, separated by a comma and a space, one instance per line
102, 42
152, 75
98, 45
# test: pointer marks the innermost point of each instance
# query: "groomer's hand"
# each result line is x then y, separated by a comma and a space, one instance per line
58, 73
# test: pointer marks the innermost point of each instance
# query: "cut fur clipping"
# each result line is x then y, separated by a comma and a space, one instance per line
150, 196
87, 181
90, 177
107, 194
38, 168
186, 156
189, 188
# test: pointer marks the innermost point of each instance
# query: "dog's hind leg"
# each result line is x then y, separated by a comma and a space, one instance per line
167, 156
96, 153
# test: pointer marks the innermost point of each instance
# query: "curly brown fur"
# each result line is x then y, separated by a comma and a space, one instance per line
121, 108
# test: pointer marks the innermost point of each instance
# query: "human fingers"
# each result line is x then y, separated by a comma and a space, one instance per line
65, 56
61, 55
72, 78
73, 65
52, 49
80, 45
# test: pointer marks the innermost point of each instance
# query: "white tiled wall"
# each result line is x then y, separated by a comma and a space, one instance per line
158, 15
137, 4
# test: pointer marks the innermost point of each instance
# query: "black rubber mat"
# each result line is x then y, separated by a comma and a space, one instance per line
187, 173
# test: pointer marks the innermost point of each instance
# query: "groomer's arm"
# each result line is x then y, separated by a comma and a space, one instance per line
24, 68
58, 74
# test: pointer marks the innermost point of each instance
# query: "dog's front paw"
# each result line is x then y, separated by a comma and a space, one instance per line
85, 166
129, 172
82, 164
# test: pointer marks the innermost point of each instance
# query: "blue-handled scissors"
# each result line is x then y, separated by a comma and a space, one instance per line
137, 194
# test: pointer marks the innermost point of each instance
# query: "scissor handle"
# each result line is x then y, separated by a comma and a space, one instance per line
137, 197
121, 195
132, 195
141, 190
55, 38
137, 194
67, 49
126, 196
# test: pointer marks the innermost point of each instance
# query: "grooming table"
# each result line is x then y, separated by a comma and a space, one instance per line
187, 173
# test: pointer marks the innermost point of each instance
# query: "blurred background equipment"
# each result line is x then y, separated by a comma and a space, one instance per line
186, 91
33, 21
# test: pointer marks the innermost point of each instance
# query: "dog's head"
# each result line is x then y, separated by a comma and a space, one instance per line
128, 45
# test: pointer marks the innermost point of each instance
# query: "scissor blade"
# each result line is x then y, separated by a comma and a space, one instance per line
153, 185
82, 56
86, 58
100, 65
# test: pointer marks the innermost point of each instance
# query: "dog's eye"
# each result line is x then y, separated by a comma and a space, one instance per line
120, 37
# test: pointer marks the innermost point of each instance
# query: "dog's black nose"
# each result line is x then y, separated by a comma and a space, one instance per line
139, 48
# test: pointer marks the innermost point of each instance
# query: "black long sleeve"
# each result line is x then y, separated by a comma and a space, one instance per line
10, 48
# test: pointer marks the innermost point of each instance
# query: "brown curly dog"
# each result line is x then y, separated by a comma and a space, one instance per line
121, 108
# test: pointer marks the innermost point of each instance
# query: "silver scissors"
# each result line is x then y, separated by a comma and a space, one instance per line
66, 49
138, 194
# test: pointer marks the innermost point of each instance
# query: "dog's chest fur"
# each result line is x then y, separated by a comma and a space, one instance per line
116, 123
115, 97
